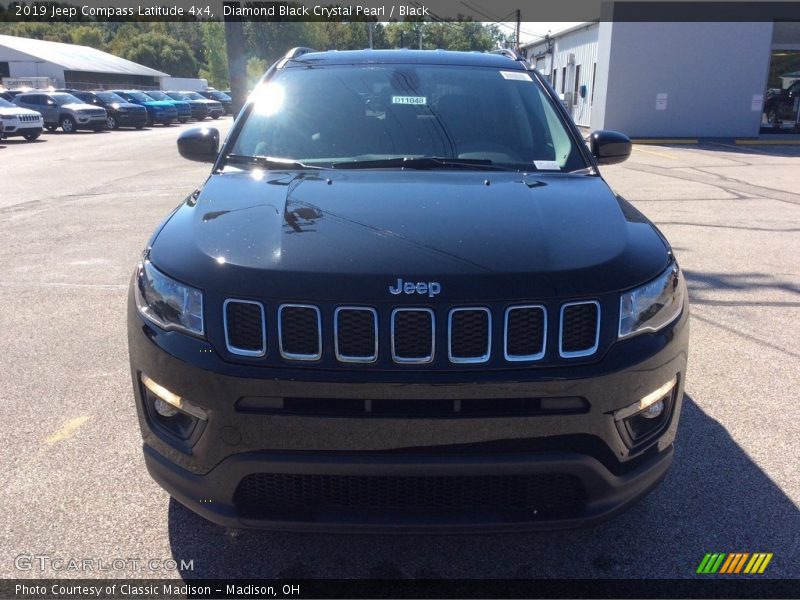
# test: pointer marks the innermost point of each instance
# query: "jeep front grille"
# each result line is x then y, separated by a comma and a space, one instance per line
300, 332
408, 336
245, 327
580, 329
525, 332
356, 334
413, 335
469, 335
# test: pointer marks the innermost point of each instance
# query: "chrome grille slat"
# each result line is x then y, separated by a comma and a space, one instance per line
406, 349
353, 335
469, 335
301, 334
577, 322
244, 323
525, 332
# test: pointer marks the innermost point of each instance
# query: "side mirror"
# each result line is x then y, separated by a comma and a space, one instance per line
610, 147
200, 144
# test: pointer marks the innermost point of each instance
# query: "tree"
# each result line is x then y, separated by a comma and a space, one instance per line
216, 69
87, 35
161, 52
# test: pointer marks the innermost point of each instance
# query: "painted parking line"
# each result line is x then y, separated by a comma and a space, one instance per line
68, 430
664, 141
767, 142
656, 153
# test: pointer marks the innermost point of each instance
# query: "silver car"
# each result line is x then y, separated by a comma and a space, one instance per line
60, 109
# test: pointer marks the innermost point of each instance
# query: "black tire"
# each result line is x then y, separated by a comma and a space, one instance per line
111, 122
215, 116
67, 124
140, 127
31, 136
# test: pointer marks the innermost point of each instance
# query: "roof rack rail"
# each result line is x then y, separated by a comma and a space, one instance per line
299, 51
512, 54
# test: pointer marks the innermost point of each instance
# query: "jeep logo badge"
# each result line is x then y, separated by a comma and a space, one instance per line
431, 288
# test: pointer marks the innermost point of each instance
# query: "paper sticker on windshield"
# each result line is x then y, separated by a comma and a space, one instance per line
546, 165
516, 75
413, 100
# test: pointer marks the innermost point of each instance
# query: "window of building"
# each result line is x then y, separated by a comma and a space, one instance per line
577, 83
563, 79
591, 95
555, 79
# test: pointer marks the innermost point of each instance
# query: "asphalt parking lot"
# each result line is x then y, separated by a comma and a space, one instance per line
75, 213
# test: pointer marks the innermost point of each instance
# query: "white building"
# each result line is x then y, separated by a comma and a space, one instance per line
68, 65
664, 79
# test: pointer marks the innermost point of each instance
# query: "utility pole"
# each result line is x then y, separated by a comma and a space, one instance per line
516, 35
237, 68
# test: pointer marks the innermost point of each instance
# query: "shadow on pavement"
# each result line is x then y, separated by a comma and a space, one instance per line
715, 499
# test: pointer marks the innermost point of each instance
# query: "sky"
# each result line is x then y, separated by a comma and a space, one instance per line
532, 31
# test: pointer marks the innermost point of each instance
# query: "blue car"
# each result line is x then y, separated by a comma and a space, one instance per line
157, 112
184, 108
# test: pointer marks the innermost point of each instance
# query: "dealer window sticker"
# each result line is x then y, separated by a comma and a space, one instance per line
547, 165
413, 100
516, 75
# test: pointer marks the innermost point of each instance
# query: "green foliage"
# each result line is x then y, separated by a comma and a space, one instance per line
88, 36
162, 52
216, 56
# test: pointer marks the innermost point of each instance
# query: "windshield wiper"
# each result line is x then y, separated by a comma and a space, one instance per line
268, 162
420, 162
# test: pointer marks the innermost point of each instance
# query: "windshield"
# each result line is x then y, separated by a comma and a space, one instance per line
5, 104
62, 99
109, 97
219, 96
158, 95
176, 96
364, 114
194, 96
140, 97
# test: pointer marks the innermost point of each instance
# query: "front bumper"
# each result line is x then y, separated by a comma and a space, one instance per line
584, 451
131, 119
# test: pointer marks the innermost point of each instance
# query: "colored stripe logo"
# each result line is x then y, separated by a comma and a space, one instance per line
734, 563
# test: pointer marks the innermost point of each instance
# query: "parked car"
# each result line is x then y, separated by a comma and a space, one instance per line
157, 112
63, 110
121, 113
199, 109
215, 108
223, 99
409, 302
184, 108
783, 105
18, 121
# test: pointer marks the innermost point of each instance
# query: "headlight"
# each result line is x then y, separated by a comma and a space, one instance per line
654, 305
8, 117
168, 303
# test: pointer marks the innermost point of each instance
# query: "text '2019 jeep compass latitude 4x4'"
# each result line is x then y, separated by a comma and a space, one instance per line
405, 299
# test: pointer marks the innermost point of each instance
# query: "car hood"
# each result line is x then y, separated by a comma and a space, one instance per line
128, 105
80, 106
159, 104
18, 110
350, 234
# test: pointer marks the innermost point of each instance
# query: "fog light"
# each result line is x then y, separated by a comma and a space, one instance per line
653, 398
173, 400
164, 409
644, 419
654, 410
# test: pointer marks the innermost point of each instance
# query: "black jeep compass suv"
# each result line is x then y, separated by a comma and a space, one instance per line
405, 298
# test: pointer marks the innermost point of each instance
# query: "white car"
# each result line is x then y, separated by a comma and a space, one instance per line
20, 121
